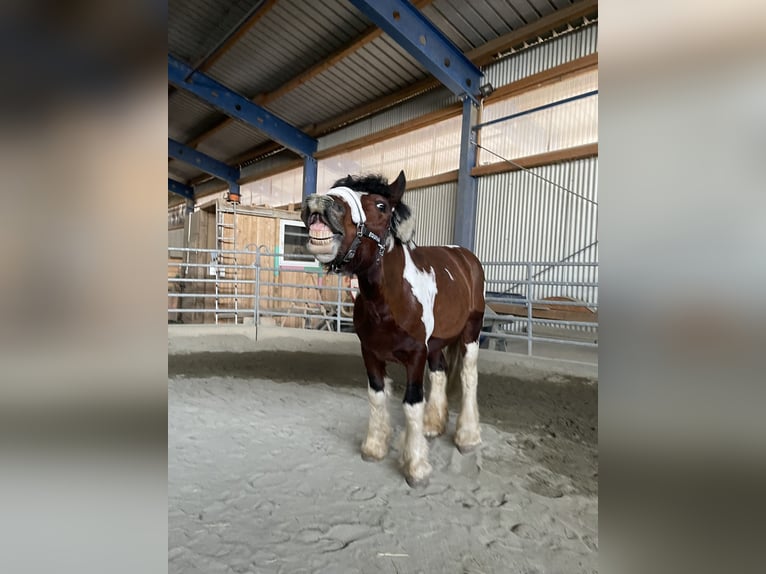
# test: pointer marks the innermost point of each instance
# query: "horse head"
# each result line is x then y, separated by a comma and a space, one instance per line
353, 224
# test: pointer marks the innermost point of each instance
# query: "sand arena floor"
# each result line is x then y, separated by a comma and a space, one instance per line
265, 475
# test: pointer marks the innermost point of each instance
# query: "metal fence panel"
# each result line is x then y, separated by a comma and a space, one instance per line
532, 301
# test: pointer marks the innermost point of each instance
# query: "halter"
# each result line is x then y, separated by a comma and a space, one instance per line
357, 216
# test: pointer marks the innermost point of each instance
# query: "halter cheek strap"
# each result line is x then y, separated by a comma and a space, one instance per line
358, 216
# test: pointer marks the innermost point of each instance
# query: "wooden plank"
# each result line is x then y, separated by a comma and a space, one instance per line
445, 177
546, 311
568, 154
406, 127
550, 76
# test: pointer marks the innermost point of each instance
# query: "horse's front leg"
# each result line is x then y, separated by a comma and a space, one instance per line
417, 469
436, 411
375, 445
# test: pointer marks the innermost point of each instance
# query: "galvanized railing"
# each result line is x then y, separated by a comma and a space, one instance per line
292, 292
528, 302
559, 301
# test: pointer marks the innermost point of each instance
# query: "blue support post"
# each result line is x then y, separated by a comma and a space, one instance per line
232, 104
180, 189
202, 161
426, 43
465, 210
309, 177
233, 196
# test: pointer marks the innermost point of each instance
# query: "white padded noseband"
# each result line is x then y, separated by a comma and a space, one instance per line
353, 199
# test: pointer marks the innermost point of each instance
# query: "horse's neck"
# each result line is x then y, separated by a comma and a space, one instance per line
383, 281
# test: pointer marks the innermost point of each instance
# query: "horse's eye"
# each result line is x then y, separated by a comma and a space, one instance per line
381, 206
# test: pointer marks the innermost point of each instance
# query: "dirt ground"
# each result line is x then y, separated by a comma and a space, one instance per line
265, 475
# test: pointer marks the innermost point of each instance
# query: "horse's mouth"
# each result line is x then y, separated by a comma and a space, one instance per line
323, 240
321, 234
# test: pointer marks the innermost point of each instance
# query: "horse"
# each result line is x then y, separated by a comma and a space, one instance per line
414, 303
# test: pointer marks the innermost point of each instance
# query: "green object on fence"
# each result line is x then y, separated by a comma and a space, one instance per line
276, 261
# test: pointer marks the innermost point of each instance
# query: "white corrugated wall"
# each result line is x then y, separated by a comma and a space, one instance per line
549, 54
434, 210
544, 56
521, 217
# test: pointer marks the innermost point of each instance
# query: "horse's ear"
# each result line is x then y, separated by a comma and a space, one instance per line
397, 187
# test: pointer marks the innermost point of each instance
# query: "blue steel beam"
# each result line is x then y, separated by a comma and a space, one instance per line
467, 185
210, 165
424, 42
309, 177
180, 189
232, 104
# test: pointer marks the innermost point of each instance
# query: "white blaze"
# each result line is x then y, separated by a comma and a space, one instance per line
423, 286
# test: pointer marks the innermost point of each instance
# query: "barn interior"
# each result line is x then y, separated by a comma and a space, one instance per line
491, 109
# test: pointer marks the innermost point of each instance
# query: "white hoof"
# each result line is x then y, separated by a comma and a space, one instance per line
374, 449
467, 439
418, 474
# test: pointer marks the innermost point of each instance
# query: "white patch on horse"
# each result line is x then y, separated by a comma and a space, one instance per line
423, 285
450, 274
405, 229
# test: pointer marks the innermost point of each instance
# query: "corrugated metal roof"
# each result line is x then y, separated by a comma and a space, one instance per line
372, 72
231, 140
195, 26
181, 171
189, 115
292, 36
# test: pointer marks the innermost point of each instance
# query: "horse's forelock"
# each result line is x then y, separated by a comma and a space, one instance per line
365, 184
403, 222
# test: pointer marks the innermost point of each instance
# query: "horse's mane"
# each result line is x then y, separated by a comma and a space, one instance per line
402, 222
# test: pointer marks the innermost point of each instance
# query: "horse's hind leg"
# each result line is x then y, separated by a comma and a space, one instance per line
468, 435
436, 411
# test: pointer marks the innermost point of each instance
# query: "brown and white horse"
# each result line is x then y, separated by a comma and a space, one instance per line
413, 303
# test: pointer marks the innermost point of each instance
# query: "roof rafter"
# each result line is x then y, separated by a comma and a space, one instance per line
370, 34
234, 105
256, 12
480, 56
425, 42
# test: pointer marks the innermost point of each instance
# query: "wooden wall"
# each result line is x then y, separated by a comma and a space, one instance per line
255, 228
